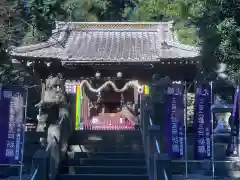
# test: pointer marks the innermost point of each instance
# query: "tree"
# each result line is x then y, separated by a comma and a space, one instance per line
115, 10
165, 10
10, 28
219, 31
85, 10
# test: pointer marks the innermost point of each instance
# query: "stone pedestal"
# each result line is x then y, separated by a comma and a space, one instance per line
222, 122
222, 113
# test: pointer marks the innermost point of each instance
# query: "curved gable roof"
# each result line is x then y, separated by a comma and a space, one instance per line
82, 42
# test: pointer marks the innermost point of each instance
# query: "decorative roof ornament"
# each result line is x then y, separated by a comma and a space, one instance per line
29, 63
165, 45
48, 64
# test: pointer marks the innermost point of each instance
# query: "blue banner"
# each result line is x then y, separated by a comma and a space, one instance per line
202, 122
174, 121
12, 102
232, 148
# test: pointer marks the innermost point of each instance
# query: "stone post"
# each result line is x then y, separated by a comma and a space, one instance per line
41, 165
159, 88
146, 115
162, 167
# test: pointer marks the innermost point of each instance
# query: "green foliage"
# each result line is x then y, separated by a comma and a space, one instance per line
12, 30
27, 22
219, 23
43, 14
186, 34
165, 10
85, 10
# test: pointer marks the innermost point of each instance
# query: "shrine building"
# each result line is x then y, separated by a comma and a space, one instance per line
108, 64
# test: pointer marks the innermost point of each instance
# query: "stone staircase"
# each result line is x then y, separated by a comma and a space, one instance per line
119, 154
105, 154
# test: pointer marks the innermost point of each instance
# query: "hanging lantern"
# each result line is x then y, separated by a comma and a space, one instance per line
97, 75
140, 89
119, 75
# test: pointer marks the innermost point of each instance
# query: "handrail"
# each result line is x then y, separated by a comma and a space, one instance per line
34, 174
159, 150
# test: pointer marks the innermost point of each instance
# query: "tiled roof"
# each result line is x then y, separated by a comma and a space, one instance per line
109, 42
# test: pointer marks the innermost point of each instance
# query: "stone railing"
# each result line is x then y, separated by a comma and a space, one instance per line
159, 164
46, 161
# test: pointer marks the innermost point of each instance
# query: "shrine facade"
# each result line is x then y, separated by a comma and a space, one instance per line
107, 65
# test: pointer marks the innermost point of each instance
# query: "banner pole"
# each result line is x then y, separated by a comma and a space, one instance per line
237, 136
185, 133
212, 120
23, 131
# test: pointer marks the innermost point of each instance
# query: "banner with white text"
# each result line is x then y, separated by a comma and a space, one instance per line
202, 122
174, 121
12, 115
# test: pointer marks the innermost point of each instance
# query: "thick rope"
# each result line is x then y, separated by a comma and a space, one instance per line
129, 84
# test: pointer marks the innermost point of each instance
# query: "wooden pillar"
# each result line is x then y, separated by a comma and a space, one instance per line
135, 91
84, 106
43, 85
82, 118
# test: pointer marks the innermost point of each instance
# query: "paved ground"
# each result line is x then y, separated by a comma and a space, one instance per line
200, 177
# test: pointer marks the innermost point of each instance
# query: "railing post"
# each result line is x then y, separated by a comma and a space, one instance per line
146, 116
162, 167
142, 106
153, 132
41, 163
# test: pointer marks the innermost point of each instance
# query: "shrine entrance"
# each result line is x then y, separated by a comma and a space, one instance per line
105, 107
111, 107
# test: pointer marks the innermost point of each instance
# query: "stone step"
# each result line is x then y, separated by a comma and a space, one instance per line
103, 176
24, 177
109, 155
104, 170
104, 143
104, 162
138, 148
106, 138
